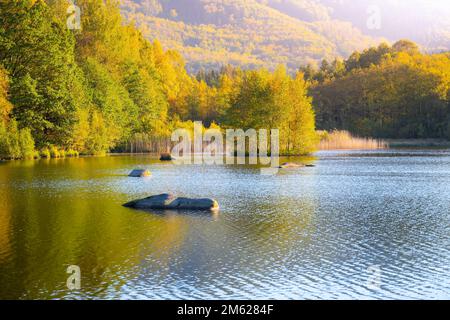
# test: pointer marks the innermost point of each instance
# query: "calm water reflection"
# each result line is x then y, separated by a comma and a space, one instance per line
308, 233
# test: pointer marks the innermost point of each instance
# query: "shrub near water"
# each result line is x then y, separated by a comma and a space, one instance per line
45, 153
15, 143
26, 143
54, 152
72, 153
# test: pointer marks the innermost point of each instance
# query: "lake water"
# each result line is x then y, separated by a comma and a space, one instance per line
360, 225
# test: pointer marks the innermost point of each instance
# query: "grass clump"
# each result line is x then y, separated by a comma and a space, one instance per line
343, 140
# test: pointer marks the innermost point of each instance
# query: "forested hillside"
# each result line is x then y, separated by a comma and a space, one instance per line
255, 33
246, 33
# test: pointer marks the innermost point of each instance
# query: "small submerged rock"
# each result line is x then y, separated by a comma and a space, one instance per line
169, 202
289, 165
140, 173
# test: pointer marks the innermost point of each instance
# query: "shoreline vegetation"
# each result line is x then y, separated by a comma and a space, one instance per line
65, 93
340, 140
328, 141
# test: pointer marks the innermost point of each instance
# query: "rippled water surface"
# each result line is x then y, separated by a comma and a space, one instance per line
331, 231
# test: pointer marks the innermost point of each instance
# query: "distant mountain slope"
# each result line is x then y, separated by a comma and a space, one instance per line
254, 33
250, 33
426, 22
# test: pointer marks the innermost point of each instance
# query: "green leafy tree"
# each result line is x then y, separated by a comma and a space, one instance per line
38, 53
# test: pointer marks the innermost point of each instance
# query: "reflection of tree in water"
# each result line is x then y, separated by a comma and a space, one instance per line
48, 234
55, 218
114, 246
5, 225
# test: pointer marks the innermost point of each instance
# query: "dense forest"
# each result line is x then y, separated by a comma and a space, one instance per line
106, 88
384, 92
90, 91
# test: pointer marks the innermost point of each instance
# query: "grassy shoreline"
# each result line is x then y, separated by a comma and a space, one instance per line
344, 140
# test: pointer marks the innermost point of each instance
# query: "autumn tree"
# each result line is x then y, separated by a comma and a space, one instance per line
399, 94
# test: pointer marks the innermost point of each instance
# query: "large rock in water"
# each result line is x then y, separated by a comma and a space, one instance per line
169, 202
140, 173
